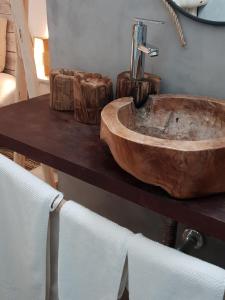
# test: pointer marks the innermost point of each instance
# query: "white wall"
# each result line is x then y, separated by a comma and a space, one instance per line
37, 19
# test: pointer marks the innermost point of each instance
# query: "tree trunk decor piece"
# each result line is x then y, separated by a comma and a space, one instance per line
125, 85
61, 86
84, 93
92, 92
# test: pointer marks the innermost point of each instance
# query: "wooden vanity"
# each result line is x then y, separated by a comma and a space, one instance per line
54, 138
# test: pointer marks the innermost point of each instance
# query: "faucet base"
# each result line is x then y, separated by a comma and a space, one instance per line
139, 89
139, 93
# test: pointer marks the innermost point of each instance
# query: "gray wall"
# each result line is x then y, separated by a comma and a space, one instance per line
95, 35
214, 10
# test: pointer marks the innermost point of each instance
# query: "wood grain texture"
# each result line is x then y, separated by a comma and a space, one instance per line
82, 92
11, 42
46, 57
176, 142
11, 72
11, 56
21, 85
92, 92
11, 61
5, 8
25, 45
61, 86
10, 25
125, 85
56, 139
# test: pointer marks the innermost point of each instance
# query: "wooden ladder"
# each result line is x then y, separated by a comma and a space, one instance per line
26, 74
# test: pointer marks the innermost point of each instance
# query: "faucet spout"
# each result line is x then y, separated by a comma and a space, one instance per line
150, 50
140, 48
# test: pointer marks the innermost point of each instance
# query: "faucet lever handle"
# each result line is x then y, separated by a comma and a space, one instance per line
141, 20
151, 50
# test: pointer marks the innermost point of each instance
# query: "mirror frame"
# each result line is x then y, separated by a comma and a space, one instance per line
200, 20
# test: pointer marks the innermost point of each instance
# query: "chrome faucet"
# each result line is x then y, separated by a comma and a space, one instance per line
139, 49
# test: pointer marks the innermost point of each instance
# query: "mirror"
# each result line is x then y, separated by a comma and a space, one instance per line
205, 11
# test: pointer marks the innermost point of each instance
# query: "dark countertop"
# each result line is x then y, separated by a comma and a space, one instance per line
54, 138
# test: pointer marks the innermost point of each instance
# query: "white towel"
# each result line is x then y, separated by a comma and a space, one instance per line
92, 254
25, 204
157, 272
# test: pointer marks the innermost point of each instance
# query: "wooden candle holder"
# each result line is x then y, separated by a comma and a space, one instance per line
61, 86
125, 85
92, 92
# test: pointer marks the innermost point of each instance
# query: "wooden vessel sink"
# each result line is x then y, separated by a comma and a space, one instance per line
176, 142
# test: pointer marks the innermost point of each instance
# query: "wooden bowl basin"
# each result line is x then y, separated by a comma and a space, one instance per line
176, 142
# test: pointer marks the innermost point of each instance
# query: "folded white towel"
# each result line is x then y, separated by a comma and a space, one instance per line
157, 272
92, 254
25, 203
